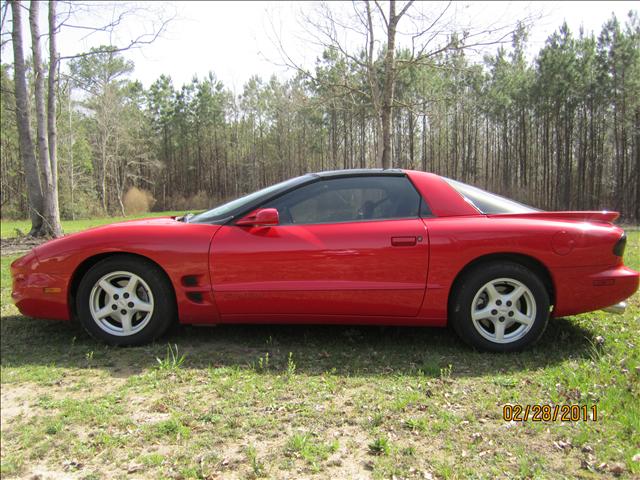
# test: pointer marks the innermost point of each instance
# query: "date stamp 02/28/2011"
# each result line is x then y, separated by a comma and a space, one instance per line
549, 413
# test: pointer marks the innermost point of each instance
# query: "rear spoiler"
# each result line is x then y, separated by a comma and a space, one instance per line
602, 216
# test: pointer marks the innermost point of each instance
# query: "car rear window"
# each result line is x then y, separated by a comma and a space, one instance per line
488, 203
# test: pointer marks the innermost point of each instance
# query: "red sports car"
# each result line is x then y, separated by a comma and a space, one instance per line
383, 247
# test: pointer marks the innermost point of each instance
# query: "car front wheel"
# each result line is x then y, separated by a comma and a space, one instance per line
501, 307
123, 300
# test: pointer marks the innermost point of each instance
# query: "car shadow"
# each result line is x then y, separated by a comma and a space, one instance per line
341, 350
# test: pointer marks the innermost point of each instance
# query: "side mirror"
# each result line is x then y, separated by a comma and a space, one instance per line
263, 217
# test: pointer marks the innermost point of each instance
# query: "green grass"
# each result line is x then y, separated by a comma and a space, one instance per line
313, 451
14, 228
380, 446
316, 402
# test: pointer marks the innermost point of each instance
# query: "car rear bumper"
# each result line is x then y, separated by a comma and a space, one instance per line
38, 294
585, 289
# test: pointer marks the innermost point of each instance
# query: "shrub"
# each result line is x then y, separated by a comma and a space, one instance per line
199, 201
137, 201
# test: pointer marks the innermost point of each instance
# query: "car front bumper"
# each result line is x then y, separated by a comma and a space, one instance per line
38, 294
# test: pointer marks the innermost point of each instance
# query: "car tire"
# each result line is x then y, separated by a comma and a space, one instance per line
123, 300
499, 307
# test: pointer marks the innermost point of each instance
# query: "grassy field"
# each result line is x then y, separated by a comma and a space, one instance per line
316, 402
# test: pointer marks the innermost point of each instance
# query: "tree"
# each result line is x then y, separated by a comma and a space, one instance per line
382, 67
100, 76
389, 74
46, 153
560, 131
43, 192
52, 127
32, 175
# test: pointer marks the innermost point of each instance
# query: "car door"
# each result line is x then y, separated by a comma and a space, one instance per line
344, 246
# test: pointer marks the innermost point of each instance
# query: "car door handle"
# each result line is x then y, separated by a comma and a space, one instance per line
403, 241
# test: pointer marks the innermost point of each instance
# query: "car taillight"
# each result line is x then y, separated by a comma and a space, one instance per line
618, 248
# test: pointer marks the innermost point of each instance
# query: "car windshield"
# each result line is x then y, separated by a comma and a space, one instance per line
239, 205
489, 203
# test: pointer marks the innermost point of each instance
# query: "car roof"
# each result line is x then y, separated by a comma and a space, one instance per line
361, 172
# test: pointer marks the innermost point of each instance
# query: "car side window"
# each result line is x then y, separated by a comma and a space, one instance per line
349, 199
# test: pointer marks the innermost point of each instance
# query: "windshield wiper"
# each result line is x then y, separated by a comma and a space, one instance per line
185, 218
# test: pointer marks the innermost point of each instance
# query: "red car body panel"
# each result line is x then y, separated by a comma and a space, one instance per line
394, 272
443, 200
454, 246
332, 269
181, 252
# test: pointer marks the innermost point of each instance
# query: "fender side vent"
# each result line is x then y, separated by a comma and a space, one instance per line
190, 281
195, 297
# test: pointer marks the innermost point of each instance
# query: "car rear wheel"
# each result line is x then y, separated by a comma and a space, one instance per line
123, 300
501, 307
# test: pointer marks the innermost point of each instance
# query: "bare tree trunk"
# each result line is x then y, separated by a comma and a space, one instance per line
52, 194
637, 167
71, 166
119, 175
424, 136
51, 221
389, 81
411, 140
120, 192
103, 174
387, 91
373, 83
32, 176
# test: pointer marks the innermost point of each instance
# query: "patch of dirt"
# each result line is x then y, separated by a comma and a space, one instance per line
18, 245
42, 472
19, 400
149, 417
15, 401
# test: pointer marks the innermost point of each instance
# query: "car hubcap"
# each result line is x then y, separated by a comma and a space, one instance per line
503, 310
121, 303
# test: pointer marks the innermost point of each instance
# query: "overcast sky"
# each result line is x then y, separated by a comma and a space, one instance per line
236, 39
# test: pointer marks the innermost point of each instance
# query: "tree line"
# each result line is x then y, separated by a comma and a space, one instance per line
561, 131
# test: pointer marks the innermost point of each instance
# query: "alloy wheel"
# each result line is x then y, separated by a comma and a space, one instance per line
121, 303
503, 310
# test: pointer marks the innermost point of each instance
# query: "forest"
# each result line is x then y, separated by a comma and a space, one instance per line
559, 130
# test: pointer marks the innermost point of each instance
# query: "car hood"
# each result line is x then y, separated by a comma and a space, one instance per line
138, 221
117, 236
